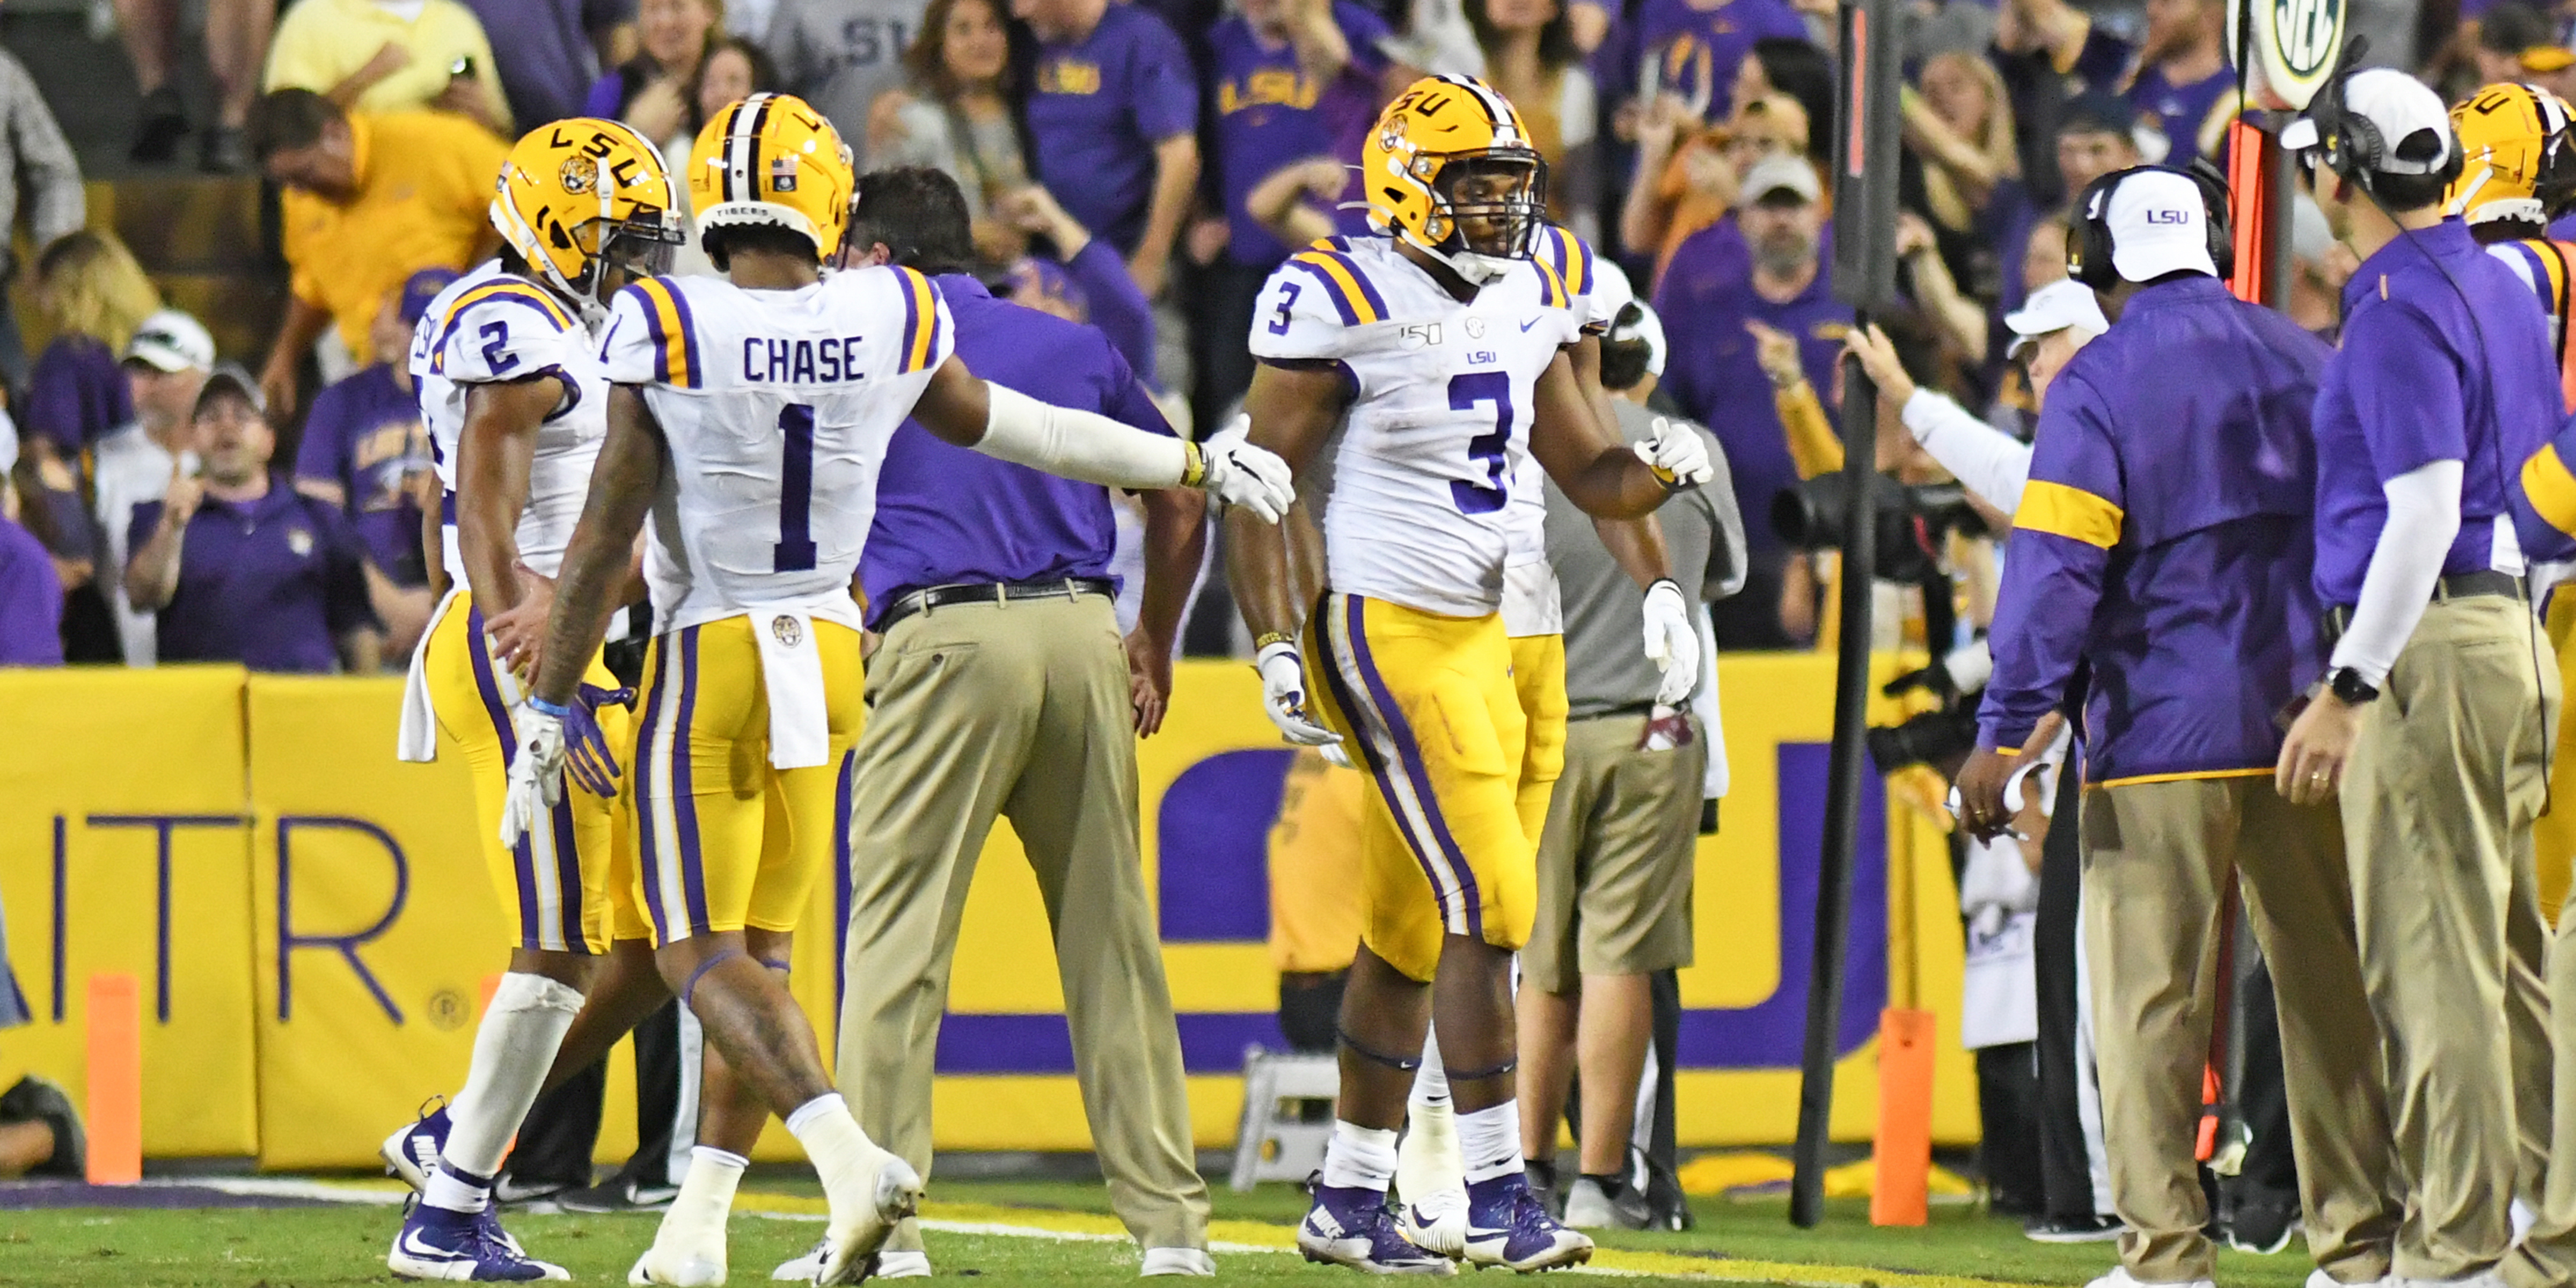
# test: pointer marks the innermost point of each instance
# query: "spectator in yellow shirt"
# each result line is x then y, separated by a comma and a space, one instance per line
369, 201
390, 56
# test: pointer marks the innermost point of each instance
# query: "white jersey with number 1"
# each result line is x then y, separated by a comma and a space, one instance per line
777, 407
1440, 422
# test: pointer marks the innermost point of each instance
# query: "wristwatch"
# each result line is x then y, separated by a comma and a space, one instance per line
2347, 685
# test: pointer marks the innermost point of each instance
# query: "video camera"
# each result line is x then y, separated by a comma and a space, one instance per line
1912, 520
1942, 737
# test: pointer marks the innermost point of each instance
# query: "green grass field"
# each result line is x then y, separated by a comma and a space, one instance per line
1743, 1241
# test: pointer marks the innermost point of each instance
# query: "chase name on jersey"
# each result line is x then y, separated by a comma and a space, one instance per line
831, 360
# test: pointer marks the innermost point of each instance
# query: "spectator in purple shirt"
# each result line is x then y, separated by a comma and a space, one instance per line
31, 596
2184, 88
549, 51
365, 452
1033, 716
243, 569
1114, 119
1087, 282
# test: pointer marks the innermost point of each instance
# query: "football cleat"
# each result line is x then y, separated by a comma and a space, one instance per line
461, 1247
413, 1152
1507, 1226
1350, 1227
695, 1268
894, 1192
1436, 1221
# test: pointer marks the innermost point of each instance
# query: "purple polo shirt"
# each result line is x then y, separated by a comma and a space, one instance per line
946, 514
1700, 44
269, 584
364, 435
1269, 112
544, 50
1100, 106
2421, 379
2181, 111
31, 601
77, 393
1705, 299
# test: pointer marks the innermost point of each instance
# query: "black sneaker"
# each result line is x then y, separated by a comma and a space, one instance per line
163, 122
1541, 1175
2074, 1229
2262, 1228
37, 1100
619, 1196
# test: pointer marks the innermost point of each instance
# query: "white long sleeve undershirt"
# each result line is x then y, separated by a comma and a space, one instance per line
2423, 520
1988, 462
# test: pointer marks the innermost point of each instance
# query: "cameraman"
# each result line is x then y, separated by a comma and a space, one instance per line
2058, 319
2167, 526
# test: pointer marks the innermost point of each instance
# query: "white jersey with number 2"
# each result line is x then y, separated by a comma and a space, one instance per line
1422, 485
777, 407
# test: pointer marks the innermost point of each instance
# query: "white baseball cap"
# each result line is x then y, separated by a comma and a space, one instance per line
1649, 328
2399, 107
2053, 308
172, 341
2158, 226
1782, 172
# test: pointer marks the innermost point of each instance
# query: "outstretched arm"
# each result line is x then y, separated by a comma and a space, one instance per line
595, 566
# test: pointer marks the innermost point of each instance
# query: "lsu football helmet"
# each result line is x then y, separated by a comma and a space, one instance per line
580, 196
772, 160
2518, 157
1450, 168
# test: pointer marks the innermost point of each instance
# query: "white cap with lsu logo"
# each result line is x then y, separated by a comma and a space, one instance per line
2158, 226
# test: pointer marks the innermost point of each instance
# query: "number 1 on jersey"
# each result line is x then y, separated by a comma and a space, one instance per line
795, 549
1465, 391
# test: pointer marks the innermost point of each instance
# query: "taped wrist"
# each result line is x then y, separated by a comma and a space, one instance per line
1079, 444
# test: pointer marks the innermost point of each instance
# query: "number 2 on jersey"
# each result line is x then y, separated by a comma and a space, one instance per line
1465, 391
795, 549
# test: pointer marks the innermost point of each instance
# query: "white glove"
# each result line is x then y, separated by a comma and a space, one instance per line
1337, 755
1238, 473
536, 774
1283, 693
1675, 454
1671, 644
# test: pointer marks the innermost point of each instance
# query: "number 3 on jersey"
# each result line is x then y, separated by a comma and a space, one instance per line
1465, 391
795, 549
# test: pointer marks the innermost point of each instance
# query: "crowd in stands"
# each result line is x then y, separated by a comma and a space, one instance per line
1141, 164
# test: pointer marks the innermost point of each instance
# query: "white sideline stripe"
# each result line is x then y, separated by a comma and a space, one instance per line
286, 1187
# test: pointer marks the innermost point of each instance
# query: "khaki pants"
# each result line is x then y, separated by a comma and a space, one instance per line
2546, 1258
1616, 859
2438, 799
2156, 861
1018, 711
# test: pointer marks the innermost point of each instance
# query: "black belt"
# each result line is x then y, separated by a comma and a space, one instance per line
2467, 585
991, 592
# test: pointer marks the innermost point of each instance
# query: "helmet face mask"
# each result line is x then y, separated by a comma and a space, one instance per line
1491, 203
1449, 170
576, 192
628, 250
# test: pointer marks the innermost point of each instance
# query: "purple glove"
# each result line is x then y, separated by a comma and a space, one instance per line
587, 757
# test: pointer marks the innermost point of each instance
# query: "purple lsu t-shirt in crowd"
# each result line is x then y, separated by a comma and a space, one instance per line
77, 393
1697, 46
1102, 104
269, 583
31, 600
1270, 113
947, 515
545, 51
2183, 112
364, 435
1705, 299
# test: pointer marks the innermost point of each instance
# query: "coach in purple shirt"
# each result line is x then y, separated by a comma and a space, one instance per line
999, 688
241, 567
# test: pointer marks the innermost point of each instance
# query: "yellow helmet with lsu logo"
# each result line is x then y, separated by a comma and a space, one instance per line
773, 161
581, 196
2518, 161
1450, 168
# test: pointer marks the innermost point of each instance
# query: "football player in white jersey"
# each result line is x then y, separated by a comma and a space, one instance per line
1430, 1178
512, 390
747, 418
1442, 343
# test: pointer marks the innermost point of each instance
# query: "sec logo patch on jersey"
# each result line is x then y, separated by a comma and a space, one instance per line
1475, 327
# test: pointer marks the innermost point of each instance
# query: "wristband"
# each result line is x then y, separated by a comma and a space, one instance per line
1268, 638
1193, 464
559, 710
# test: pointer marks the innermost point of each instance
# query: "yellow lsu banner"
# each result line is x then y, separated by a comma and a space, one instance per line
315, 931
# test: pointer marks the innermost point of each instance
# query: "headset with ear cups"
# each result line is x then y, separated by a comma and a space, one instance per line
2088, 241
2349, 144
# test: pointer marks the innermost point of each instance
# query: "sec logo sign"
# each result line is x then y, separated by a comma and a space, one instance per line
2305, 33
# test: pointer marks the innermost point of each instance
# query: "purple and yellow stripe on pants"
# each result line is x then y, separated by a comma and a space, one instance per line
1427, 706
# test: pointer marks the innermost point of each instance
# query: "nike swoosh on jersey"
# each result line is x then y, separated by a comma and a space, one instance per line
1525, 326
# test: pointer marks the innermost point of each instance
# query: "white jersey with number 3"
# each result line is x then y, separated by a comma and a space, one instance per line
1440, 424
492, 327
777, 406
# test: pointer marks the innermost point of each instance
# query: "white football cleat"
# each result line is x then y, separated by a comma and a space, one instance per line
894, 1192
673, 1268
